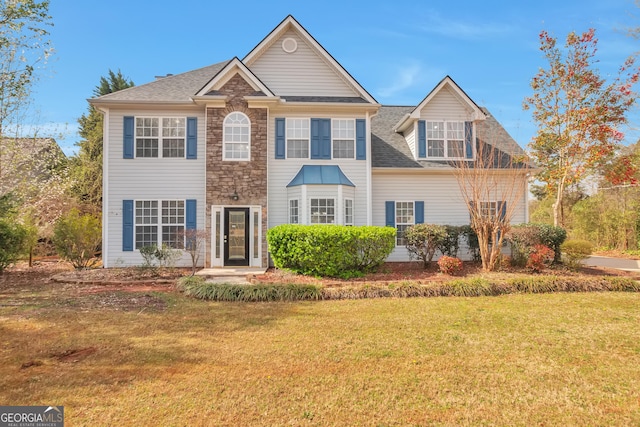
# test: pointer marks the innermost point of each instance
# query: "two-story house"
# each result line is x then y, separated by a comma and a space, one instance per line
284, 135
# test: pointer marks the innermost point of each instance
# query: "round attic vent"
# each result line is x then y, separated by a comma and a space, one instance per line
289, 45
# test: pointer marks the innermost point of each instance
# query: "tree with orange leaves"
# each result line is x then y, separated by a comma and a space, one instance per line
578, 113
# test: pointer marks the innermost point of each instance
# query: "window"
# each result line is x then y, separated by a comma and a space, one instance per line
298, 138
404, 220
236, 137
344, 138
172, 216
173, 223
294, 213
445, 139
348, 211
455, 139
146, 223
488, 209
322, 211
151, 140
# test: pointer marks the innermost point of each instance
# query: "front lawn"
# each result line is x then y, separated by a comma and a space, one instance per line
164, 359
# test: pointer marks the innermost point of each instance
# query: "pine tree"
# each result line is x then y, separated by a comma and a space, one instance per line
87, 164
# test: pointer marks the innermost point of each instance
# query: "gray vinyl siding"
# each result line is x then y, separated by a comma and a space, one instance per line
443, 202
149, 179
303, 72
446, 105
282, 171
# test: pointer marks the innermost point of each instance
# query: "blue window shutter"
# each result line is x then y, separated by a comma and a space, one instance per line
325, 138
192, 137
361, 139
468, 139
128, 127
419, 212
127, 225
390, 213
280, 139
422, 139
315, 138
191, 214
502, 208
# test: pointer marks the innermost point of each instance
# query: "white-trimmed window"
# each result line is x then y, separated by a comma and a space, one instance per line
405, 218
348, 211
173, 223
160, 137
146, 223
148, 219
294, 211
343, 135
298, 138
322, 211
236, 137
445, 139
489, 209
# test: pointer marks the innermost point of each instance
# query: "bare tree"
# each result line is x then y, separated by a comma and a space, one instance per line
194, 244
492, 184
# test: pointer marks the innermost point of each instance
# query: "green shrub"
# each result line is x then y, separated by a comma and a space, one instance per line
450, 245
12, 242
471, 238
575, 251
330, 250
552, 237
163, 256
77, 238
423, 240
524, 237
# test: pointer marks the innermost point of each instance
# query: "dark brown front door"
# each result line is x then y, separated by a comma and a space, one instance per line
236, 236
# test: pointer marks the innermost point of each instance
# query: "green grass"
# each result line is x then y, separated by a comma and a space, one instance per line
518, 359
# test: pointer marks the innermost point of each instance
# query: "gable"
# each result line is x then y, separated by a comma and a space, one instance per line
300, 72
446, 105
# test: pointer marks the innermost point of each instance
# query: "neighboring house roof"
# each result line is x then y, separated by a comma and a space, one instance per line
30, 159
320, 175
389, 149
179, 88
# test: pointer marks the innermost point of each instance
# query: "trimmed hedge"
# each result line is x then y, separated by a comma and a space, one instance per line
330, 250
196, 287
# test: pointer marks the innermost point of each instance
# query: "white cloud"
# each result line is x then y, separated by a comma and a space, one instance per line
464, 30
405, 78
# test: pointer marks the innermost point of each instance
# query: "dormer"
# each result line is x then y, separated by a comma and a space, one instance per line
443, 125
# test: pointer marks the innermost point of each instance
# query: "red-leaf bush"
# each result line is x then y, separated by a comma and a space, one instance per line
449, 265
540, 257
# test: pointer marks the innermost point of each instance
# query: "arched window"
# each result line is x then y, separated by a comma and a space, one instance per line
236, 137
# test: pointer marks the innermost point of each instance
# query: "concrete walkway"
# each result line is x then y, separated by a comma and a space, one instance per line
230, 274
617, 263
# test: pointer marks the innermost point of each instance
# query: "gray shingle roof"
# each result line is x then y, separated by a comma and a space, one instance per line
390, 150
343, 99
176, 88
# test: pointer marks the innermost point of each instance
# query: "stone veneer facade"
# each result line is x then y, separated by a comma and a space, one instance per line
248, 178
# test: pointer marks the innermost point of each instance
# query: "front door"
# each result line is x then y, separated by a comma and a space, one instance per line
236, 236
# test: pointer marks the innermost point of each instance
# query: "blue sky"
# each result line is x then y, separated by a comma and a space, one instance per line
397, 50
